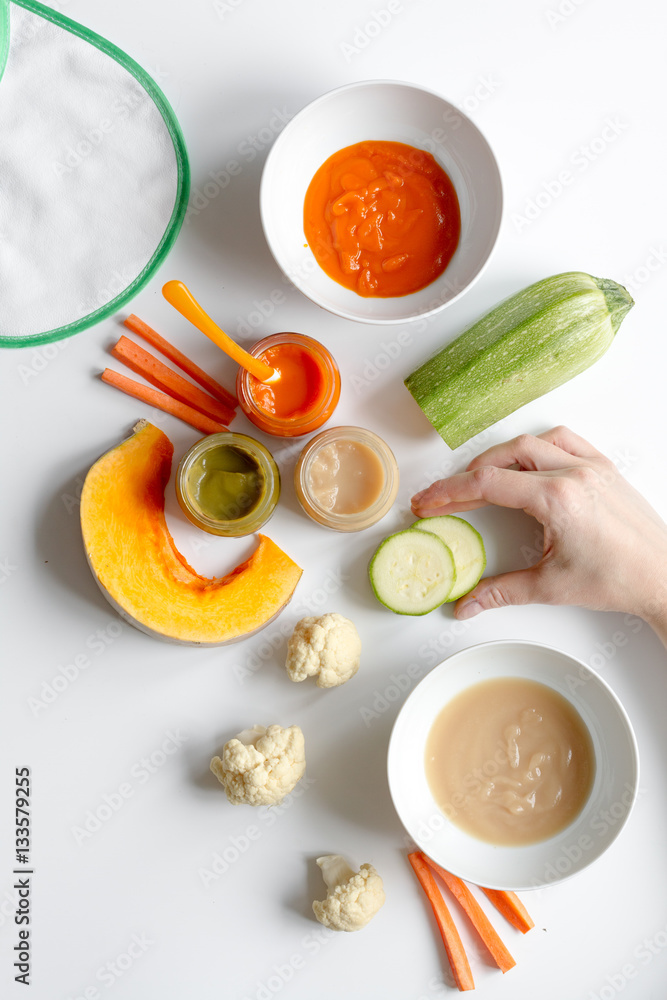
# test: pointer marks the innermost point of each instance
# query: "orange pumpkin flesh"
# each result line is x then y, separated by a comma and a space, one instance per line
141, 572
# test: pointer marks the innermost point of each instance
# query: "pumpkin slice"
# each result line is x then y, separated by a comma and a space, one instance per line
141, 572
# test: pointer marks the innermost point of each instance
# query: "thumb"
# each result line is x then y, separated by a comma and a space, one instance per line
519, 587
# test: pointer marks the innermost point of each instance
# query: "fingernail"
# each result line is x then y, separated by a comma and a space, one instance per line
469, 610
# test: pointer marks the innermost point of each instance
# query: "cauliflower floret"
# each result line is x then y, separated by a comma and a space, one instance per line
261, 766
327, 647
352, 897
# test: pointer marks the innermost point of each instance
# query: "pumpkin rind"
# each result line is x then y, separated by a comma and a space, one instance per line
141, 572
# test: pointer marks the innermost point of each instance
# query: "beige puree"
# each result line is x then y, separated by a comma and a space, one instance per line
346, 477
510, 761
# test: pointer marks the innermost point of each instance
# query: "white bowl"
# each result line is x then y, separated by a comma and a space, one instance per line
535, 865
384, 110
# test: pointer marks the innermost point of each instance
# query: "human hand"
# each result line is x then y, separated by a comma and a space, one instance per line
604, 545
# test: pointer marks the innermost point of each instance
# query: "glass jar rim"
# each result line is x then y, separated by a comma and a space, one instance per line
380, 448
260, 512
309, 343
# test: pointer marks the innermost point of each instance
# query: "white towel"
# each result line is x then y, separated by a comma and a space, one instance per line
94, 178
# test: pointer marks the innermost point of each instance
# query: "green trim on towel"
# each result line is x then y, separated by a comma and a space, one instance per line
4, 34
180, 151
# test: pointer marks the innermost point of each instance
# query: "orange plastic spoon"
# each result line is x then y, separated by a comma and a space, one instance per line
182, 299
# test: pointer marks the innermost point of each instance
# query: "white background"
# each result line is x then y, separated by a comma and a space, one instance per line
543, 87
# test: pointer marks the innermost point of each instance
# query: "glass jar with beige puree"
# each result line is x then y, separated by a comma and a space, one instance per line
346, 478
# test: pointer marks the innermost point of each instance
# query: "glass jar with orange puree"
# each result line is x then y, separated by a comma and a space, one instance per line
305, 395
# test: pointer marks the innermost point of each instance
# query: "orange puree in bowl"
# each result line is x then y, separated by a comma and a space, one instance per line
382, 218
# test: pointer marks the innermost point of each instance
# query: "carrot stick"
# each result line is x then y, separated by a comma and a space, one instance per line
511, 907
478, 917
162, 377
142, 329
450, 936
162, 401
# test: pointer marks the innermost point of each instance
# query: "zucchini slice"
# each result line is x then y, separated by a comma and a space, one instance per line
412, 572
466, 545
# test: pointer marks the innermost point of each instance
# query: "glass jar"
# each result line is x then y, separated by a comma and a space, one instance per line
346, 478
228, 484
268, 407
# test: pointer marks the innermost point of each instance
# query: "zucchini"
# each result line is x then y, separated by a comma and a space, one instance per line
529, 344
412, 572
466, 546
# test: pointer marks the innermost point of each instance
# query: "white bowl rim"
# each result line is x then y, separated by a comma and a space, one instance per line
598, 679
302, 286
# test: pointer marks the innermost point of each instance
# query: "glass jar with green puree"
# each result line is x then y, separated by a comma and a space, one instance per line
228, 484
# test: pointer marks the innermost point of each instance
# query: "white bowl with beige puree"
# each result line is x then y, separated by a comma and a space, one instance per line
502, 865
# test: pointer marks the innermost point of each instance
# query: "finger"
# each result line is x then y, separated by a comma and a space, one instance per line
520, 587
420, 511
528, 452
433, 500
562, 437
504, 487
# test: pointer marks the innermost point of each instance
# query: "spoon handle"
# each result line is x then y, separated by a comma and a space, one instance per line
182, 299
